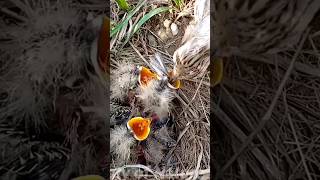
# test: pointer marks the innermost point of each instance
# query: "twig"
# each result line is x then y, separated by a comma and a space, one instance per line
241, 111
191, 80
135, 49
179, 138
193, 95
190, 173
118, 170
200, 172
196, 172
205, 112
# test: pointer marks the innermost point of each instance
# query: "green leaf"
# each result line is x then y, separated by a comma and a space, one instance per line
123, 4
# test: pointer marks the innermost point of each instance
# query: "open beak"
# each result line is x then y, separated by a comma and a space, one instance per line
140, 127
146, 75
100, 48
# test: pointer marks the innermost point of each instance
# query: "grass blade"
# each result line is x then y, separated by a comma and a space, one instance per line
115, 30
178, 3
148, 16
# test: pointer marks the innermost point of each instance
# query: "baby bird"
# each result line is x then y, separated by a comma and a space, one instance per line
124, 79
138, 123
124, 137
139, 141
139, 90
121, 145
165, 77
157, 145
192, 58
155, 99
119, 113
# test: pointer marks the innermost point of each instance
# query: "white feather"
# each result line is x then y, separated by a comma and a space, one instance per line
158, 66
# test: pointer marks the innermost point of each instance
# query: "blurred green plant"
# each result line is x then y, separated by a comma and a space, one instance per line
125, 22
144, 19
122, 26
178, 3
123, 4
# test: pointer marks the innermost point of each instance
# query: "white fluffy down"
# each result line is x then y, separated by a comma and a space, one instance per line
121, 143
154, 151
122, 78
154, 100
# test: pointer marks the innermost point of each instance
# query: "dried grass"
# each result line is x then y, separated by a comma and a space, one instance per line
258, 136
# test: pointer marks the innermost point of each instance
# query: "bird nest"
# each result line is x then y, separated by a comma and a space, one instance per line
190, 128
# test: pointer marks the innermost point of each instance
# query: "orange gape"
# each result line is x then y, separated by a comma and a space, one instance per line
140, 127
146, 76
104, 46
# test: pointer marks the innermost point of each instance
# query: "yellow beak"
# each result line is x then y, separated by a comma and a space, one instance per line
217, 71
176, 84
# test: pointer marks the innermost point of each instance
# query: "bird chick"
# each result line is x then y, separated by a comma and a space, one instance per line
123, 138
164, 75
139, 127
121, 144
140, 141
192, 58
119, 113
123, 79
155, 99
157, 145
